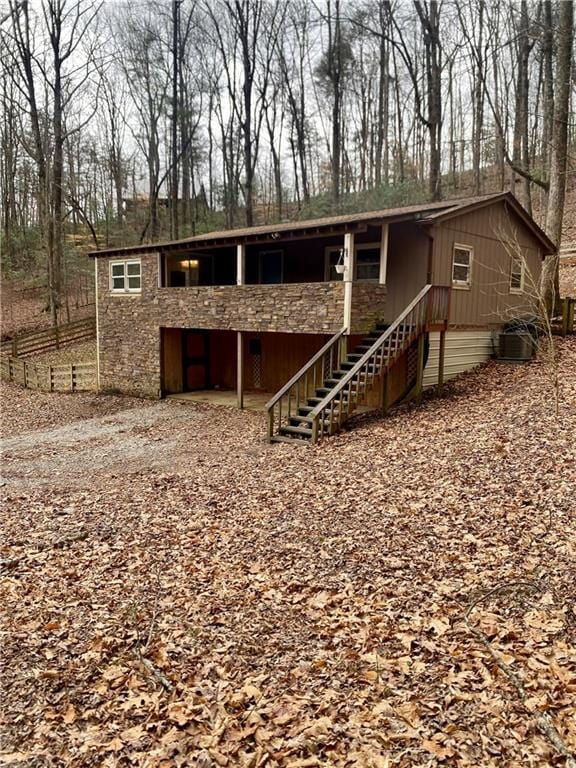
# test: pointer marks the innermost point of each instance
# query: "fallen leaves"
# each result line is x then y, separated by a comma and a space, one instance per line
306, 606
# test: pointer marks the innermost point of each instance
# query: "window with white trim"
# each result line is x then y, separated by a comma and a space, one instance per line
332, 258
126, 276
367, 263
517, 274
462, 266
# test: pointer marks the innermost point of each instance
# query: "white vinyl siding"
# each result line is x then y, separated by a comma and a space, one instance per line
464, 351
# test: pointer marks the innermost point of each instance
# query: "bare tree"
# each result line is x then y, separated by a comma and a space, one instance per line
559, 152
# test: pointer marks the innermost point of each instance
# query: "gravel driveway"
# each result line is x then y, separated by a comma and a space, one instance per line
154, 436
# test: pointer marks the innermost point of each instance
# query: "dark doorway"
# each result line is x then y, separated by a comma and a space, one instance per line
195, 360
271, 266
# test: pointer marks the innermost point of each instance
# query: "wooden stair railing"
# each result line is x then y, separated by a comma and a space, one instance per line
287, 401
429, 308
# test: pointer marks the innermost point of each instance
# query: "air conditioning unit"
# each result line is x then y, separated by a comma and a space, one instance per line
515, 345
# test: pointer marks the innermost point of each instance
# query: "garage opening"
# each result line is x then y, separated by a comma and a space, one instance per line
203, 361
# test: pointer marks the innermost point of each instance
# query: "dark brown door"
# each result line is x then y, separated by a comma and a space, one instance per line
196, 360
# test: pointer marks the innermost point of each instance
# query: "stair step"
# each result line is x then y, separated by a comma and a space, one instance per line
314, 401
296, 420
351, 364
326, 391
333, 382
300, 431
281, 439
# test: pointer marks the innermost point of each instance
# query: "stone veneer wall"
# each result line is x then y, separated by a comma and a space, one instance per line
368, 306
129, 324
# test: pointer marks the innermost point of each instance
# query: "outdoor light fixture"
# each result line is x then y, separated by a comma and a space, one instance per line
340, 265
275, 235
189, 263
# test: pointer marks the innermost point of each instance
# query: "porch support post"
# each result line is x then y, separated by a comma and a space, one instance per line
384, 252
342, 350
240, 369
386, 392
349, 269
96, 301
240, 264
441, 357
420, 368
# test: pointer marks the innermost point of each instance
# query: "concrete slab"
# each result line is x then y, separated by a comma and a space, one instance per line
253, 401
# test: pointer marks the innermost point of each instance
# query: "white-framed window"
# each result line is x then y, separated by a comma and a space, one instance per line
367, 263
517, 274
126, 276
333, 255
462, 266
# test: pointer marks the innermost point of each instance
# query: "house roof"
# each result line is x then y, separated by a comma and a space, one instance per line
423, 213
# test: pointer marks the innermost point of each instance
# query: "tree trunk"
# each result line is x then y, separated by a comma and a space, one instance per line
430, 21
478, 103
558, 165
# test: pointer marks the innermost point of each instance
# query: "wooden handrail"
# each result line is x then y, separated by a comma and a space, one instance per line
291, 390
367, 355
304, 370
424, 316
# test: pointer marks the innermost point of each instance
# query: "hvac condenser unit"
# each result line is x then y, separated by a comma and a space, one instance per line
515, 346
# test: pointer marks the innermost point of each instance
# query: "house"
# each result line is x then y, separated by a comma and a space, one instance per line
325, 314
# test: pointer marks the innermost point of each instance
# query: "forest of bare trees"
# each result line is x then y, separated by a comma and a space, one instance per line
132, 120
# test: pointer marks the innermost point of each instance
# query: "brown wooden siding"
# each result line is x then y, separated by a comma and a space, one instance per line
304, 260
171, 344
488, 302
407, 267
280, 356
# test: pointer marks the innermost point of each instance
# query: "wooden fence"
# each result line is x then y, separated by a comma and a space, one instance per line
41, 341
566, 322
49, 378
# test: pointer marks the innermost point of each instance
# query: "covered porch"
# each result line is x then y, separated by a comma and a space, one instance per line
354, 265
241, 368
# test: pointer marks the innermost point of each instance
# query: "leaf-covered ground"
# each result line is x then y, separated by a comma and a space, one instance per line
177, 592
80, 352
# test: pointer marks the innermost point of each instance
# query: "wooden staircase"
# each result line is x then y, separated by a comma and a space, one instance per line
332, 385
